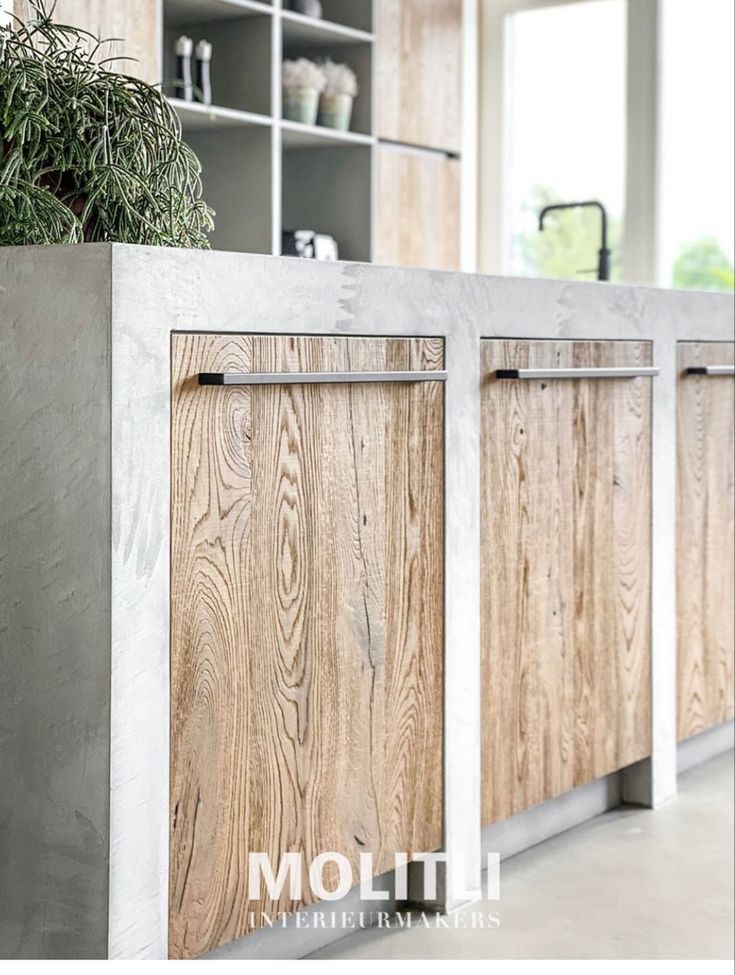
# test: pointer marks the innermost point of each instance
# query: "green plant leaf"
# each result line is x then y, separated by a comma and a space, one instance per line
88, 154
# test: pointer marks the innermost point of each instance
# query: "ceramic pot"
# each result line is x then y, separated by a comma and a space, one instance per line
301, 105
335, 111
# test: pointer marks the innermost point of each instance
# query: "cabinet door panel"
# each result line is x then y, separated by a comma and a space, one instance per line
566, 571
705, 539
418, 210
420, 72
306, 619
135, 22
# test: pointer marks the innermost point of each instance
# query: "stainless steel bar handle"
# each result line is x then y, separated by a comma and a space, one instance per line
308, 378
711, 371
613, 372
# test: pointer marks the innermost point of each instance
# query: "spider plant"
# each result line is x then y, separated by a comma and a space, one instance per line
88, 153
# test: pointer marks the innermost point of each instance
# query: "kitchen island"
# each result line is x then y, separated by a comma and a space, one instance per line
426, 602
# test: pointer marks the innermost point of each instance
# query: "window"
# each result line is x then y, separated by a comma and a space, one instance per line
565, 118
555, 120
695, 239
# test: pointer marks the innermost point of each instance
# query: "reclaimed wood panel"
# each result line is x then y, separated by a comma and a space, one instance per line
419, 72
566, 515
705, 516
133, 24
306, 619
418, 221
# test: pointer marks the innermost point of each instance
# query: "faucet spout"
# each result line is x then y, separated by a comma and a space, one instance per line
603, 262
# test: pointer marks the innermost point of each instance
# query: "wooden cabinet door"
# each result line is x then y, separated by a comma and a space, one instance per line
306, 619
705, 538
418, 209
133, 24
566, 523
420, 72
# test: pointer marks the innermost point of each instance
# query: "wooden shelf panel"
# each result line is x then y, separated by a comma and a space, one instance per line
418, 202
196, 117
418, 73
182, 13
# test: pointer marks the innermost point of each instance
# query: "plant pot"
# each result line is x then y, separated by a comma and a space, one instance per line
301, 105
309, 8
335, 111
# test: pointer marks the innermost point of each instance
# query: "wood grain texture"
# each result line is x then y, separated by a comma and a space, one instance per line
705, 516
306, 619
418, 221
133, 24
419, 72
566, 514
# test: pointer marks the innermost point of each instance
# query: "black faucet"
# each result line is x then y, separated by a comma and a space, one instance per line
603, 263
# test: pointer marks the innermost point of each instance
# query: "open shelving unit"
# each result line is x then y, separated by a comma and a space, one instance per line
263, 174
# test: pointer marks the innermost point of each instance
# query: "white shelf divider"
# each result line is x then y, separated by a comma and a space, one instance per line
311, 32
296, 135
196, 117
181, 13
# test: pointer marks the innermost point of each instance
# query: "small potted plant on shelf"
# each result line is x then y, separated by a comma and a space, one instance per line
88, 154
303, 82
340, 89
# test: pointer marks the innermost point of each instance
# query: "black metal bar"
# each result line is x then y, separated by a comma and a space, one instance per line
711, 371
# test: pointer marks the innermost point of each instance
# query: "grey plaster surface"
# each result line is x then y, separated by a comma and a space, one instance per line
54, 603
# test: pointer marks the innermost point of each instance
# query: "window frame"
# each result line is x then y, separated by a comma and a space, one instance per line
643, 89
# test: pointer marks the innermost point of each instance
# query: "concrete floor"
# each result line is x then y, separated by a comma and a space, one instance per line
630, 884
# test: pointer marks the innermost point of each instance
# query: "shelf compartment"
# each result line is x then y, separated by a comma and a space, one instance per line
185, 13
300, 31
236, 179
241, 61
357, 14
295, 135
328, 190
196, 117
360, 58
